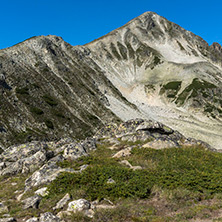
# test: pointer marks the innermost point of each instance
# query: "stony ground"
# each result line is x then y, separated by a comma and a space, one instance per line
101, 178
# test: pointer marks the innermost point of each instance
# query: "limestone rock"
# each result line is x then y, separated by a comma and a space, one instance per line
42, 192
44, 175
76, 150
62, 202
110, 180
104, 204
83, 167
79, 205
126, 162
33, 219
48, 217
9, 219
24, 158
3, 208
32, 202
123, 153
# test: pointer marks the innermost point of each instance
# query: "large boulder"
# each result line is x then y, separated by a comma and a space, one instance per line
75, 150
79, 205
32, 202
46, 174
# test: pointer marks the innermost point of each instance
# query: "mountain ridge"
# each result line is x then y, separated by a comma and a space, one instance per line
148, 68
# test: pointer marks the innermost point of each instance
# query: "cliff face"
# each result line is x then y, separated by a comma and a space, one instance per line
149, 68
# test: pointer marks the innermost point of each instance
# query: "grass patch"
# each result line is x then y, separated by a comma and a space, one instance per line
171, 89
197, 87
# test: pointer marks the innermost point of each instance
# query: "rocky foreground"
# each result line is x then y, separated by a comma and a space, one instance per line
27, 170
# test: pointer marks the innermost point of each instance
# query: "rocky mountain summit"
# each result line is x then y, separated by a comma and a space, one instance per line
30, 168
149, 68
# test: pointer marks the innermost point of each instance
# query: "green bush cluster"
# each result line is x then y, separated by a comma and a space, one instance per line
93, 181
190, 168
193, 168
197, 87
50, 100
36, 111
49, 124
22, 91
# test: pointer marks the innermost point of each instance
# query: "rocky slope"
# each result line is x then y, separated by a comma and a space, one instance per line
149, 68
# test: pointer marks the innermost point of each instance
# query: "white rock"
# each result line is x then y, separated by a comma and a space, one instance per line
33, 219
79, 205
42, 192
110, 180
123, 153
3, 208
62, 202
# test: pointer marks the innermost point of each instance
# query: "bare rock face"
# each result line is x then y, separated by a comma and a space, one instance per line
168, 73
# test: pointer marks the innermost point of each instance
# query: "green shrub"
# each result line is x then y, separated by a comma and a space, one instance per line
22, 91
93, 180
36, 111
49, 124
58, 114
192, 168
50, 100
188, 171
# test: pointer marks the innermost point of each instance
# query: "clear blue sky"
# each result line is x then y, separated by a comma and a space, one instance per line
81, 21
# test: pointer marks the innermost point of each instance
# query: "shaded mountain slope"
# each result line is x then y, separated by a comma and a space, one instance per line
48, 90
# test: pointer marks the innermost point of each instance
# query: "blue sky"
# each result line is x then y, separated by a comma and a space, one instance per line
82, 21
